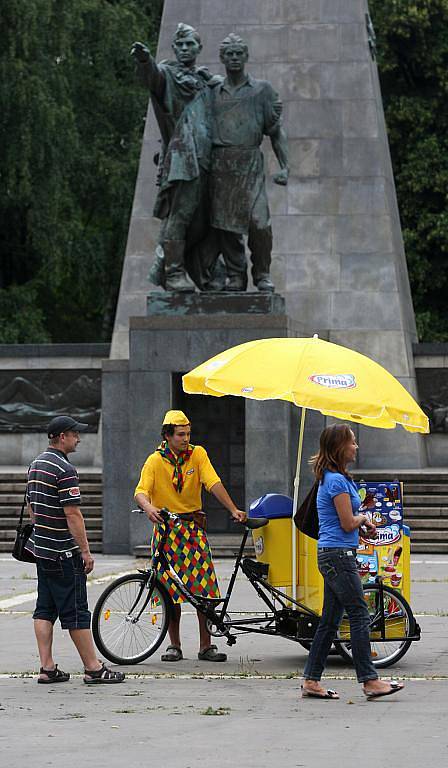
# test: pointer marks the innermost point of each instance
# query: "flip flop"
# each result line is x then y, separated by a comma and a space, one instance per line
172, 653
211, 654
328, 694
54, 676
394, 688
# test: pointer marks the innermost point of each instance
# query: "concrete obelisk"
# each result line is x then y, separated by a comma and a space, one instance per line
338, 253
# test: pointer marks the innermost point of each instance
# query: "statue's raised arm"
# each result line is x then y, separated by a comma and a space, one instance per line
177, 88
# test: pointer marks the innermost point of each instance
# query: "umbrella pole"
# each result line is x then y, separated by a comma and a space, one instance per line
295, 504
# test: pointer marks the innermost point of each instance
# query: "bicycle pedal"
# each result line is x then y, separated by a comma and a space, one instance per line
231, 640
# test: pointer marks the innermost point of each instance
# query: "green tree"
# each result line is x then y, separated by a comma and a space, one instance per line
72, 116
413, 61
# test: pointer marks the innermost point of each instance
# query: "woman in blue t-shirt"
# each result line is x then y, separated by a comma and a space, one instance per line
338, 503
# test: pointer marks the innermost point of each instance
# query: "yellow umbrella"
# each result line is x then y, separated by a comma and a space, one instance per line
311, 373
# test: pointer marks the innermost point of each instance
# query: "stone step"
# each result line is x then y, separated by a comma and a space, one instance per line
92, 510
12, 487
96, 547
10, 534
434, 499
416, 512
439, 524
11, 522
426, 476
426, 488
7, 487
429, 535
429, 548
8, 498
86, 474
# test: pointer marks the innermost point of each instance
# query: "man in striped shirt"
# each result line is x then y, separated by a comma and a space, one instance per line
60, 546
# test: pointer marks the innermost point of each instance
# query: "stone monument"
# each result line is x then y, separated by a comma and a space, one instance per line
337, 255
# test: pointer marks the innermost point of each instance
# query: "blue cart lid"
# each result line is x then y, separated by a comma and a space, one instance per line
271, 505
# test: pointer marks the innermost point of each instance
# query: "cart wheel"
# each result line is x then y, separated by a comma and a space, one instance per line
399, 622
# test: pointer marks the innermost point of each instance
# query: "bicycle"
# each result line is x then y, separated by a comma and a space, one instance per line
131, 616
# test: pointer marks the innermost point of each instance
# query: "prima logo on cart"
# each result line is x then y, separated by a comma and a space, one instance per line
334, 381
259, 546
387, 535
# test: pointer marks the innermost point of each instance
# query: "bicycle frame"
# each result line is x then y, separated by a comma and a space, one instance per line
273, 621
215, 609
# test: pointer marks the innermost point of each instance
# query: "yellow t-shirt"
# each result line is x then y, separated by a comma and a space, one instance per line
156, 481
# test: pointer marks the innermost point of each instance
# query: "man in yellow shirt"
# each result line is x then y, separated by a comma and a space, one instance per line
173, 477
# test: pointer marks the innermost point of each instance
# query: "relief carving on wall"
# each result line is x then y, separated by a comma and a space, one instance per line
30, 399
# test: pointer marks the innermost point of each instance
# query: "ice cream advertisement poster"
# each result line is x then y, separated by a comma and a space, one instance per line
382, 502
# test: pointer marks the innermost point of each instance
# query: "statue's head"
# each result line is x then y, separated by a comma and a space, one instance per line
233, 52
186, 44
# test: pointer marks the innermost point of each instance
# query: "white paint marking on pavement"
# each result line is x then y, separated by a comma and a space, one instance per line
10, 602
28, 597
229, 676
109, 577
429, 562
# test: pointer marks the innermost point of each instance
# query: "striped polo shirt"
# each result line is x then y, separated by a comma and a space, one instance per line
53, 484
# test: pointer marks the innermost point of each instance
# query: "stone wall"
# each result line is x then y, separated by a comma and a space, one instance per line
431, 365
39, 381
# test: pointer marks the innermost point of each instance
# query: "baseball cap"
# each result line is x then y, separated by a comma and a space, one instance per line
177, 418
64, 424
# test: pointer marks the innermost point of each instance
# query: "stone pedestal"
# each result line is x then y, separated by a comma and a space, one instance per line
136, 394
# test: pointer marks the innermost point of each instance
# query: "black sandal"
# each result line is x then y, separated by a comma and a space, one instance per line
172, 653
394, 688
103, 676
54, 676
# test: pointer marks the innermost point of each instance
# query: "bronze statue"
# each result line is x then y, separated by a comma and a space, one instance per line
211, 178
177, 92
243, 111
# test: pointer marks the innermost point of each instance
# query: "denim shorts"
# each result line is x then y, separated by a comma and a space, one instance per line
62, 592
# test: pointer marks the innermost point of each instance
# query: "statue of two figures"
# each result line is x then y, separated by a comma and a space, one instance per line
211, 182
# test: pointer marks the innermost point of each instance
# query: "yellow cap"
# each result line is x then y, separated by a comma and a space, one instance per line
177, 418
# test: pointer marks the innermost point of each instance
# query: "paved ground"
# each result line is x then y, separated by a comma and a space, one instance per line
246, 712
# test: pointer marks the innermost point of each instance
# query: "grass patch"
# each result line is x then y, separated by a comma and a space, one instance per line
218, 712
70, 716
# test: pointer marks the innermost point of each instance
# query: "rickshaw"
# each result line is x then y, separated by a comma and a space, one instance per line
131, 617
309, 373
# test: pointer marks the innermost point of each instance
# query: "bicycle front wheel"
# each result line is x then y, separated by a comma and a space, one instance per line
129, 623
399, 623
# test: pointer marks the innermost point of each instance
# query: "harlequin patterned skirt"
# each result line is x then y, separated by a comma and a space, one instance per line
188, 551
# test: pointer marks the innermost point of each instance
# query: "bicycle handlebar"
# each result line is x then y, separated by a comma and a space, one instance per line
250, 522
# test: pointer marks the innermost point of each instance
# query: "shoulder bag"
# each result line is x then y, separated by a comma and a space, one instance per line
22, 535
306, 518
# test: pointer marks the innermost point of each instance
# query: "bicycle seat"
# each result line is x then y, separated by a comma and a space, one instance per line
256, 522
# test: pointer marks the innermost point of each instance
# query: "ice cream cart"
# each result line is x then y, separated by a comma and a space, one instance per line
385, 558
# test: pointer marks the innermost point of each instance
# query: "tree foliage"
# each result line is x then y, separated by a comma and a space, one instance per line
413, 61
71, 119
72, 116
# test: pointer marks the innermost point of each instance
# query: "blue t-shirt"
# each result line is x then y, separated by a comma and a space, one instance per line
331, 533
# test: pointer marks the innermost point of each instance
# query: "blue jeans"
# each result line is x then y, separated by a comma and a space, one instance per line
342, 591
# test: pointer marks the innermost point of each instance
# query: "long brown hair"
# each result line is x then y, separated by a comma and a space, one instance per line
333, 441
